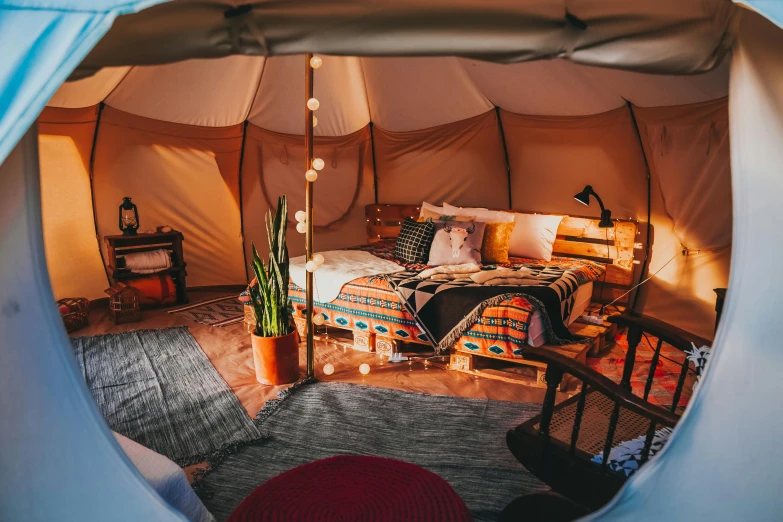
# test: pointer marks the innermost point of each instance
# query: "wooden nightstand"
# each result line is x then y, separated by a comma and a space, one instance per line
118, 246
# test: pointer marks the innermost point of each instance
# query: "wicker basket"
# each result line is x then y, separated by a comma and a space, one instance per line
74, 311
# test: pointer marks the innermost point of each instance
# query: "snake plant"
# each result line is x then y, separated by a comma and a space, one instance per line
269, 296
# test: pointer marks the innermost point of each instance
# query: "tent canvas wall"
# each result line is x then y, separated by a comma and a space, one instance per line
48, 407
521, 136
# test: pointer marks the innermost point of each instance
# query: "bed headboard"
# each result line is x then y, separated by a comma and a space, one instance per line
577, 237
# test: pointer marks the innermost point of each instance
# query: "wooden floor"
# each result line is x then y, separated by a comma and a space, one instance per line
229, 350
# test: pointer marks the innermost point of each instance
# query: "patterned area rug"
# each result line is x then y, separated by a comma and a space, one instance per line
666, 374
157, 387
221, 311
462, 440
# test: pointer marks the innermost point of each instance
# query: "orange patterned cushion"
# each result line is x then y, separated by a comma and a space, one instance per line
497, 237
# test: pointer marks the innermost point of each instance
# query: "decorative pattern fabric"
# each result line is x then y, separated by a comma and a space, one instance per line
371, 305
413, 243
222, 311
456, 243
446, 309
158, 388
497, 238
463, 438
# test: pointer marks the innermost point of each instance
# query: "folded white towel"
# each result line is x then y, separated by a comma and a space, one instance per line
488, 275
148, 262
465, 268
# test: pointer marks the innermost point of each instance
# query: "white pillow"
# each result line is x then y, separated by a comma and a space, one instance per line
534, 236
431, 208
482, 214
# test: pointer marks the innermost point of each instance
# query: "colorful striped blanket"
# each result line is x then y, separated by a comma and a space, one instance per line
370, 304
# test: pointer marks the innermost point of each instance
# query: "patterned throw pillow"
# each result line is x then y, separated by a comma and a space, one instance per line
497, 238
456, 243
413, 243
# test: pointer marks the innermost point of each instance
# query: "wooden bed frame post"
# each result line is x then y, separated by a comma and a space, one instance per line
309, 210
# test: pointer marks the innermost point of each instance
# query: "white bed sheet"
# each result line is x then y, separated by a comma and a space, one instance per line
582, 299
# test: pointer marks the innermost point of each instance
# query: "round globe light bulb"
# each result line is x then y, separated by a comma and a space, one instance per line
310, 266
328, 369
316, 62
301, 228
315, 122
311, 175
364, 369
318, 164
318, 259
301, 216
318, 319
313, 104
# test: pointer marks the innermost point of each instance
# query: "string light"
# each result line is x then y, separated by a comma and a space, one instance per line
318, 319
318, 164
318, 259
311, 175
315, 122
364, 369
301, 228
313, 104
300, 216
316, 62
310, 266
328, 369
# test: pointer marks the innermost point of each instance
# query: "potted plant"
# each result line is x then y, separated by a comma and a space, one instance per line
275, 339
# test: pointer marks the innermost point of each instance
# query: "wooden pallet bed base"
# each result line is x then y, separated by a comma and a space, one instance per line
517, 371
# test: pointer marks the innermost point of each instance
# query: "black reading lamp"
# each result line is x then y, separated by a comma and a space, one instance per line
606, 215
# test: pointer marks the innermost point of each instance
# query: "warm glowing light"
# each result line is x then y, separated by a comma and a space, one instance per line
318, 259
310, 266
364, 369
316, 62
300, 216
318, 164
311, 175
315, 122
313, 104
318, 319
328, 369
301, 228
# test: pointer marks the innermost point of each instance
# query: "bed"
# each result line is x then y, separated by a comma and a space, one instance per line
373, 310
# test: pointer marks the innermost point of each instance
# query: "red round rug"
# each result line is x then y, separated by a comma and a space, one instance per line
348, 489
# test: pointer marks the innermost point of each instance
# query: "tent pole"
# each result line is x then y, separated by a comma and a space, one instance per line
309, 210
646, 260
92, 190
241, 213
374, 168
505, 155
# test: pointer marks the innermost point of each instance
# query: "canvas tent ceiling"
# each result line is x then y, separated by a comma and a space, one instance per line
171, 136
50, 408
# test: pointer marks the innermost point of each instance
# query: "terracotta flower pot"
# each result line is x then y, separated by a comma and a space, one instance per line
276, 358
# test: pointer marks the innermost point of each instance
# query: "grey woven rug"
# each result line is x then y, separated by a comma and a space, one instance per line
157, 387
462, 440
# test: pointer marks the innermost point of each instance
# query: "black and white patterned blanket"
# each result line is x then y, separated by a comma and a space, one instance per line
446, 309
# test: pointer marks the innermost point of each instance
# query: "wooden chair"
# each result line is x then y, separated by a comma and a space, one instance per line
559, 444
